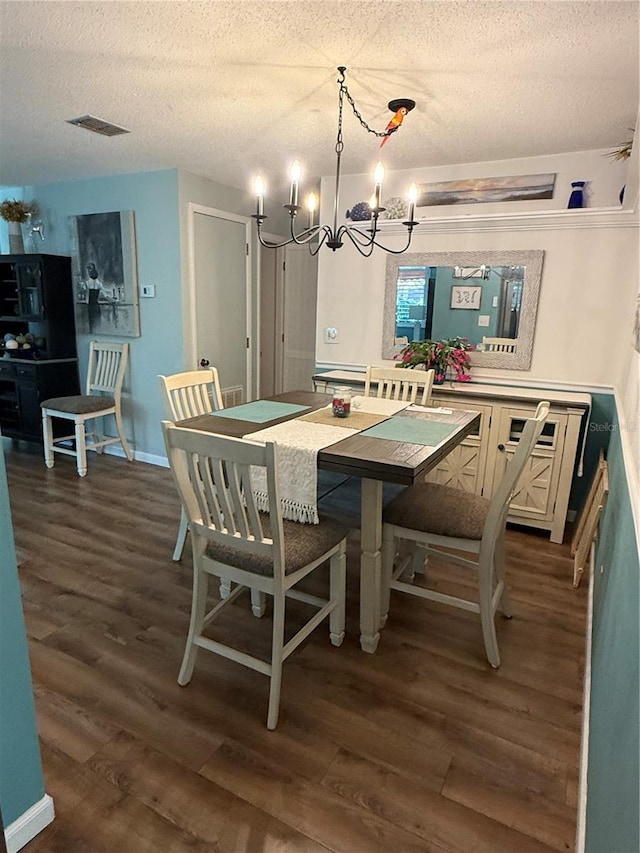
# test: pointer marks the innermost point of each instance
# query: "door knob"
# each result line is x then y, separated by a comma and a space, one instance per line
501, 447
204, 362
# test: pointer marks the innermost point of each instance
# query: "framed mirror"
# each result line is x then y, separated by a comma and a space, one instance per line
491, 298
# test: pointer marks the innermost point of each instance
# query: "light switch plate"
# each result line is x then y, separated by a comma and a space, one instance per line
148, 290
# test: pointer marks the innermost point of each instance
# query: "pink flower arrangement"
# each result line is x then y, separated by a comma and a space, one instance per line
449, 354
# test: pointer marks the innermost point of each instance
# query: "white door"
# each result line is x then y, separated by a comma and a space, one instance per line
300, 303
221, 313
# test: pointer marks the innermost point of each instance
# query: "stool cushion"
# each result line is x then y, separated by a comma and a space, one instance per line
432, 508
303, 543
81, 404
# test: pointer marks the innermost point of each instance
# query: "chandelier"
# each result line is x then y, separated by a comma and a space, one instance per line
333, 236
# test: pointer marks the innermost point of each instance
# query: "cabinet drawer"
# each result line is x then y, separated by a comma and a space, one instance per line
28, 372
7, 369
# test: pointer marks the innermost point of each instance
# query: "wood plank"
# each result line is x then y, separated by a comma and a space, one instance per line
193, 803
442, 823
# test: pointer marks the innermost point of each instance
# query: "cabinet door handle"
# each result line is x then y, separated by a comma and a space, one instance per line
501, 447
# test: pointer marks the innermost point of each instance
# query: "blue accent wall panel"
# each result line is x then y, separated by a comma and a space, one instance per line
613, 791
21, 783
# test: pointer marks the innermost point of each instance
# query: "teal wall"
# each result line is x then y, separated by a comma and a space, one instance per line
21, 783
613, 791
153, 197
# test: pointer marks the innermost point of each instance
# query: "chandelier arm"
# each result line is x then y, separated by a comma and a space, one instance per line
269, 245
395, 251
365, 249
307, 235
326, 233
371, 232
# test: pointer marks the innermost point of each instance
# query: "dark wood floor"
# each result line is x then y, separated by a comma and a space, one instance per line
421, 747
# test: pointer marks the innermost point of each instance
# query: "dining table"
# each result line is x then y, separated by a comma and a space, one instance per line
401, 450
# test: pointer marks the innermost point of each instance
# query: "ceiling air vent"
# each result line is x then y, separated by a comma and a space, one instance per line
98, 125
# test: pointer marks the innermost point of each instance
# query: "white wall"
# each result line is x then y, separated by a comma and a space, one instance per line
589, 278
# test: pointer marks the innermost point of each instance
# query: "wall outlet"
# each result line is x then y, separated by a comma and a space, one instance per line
331, 335
484, 320
148, 290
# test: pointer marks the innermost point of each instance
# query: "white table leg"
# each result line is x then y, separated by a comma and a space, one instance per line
370, 564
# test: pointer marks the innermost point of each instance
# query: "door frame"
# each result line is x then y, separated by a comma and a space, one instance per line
278, 343
191, 348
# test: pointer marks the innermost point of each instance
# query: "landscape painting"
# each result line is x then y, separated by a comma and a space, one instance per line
480, 190
105, 274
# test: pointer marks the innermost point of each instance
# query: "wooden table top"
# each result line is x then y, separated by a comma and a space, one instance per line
359, 455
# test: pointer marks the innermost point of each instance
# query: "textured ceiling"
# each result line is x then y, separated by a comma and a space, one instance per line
226, 89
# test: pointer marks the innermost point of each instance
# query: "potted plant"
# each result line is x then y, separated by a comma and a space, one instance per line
448, 356
623, 152
15, 213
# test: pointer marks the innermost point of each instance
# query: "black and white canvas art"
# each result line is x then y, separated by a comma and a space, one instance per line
105, 274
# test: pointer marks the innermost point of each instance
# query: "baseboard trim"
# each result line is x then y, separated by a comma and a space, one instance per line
581, 828
139, 456
25, 828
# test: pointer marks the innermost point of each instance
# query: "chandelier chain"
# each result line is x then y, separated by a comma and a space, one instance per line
344, 90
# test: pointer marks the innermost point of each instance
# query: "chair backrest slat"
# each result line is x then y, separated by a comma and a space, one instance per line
499, 344
406, 385
107, 365
191, 393
212, 474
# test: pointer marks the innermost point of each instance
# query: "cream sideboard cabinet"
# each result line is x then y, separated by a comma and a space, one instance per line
477, 465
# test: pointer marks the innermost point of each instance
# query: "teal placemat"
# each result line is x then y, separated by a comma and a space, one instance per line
413, 430
261, 411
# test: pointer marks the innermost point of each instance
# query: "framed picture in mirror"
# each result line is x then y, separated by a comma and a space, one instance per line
465, 297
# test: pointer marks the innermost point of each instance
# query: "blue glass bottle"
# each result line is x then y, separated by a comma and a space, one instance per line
576, 199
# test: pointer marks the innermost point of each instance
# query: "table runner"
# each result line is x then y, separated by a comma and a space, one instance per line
298, 445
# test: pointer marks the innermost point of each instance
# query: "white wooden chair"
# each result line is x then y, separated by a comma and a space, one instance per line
499, 344
105, 374
396, 383
186, 395
232, 540
435, 517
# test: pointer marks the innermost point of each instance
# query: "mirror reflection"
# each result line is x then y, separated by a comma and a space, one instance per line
491, 298
445, 302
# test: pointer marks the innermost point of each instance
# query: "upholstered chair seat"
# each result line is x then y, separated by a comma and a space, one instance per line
81, 404
438, 509
303, 543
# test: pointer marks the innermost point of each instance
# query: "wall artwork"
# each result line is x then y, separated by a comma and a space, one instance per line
479, 190
106, 281
466, 297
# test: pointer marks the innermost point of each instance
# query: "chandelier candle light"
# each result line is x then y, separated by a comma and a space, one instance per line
333, 236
